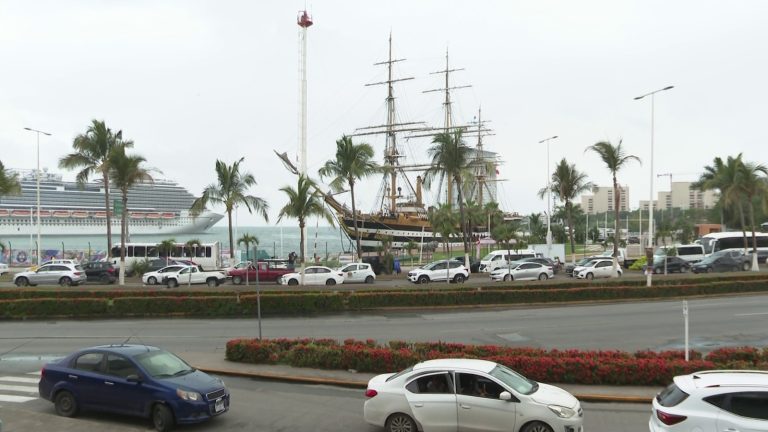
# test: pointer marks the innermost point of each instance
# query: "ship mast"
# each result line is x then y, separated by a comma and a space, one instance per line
304, 21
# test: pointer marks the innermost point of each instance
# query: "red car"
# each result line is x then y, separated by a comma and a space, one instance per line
267, 272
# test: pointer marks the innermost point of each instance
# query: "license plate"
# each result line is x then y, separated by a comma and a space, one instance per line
218, 406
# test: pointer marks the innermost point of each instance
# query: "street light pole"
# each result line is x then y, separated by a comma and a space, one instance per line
549, 199
649, 276
37, 176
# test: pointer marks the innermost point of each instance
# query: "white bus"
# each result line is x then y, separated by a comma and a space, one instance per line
207, 255
718, 241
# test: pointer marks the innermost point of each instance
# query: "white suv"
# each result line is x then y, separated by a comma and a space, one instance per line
713, 401
451, 271
597, 268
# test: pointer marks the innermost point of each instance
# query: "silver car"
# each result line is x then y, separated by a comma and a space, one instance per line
49, 274
523, 271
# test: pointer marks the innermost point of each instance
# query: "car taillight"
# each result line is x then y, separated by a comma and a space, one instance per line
42, 372
669, 419
371, 393
78, 273
110, 270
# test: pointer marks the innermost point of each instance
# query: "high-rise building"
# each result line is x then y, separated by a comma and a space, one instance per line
602, 199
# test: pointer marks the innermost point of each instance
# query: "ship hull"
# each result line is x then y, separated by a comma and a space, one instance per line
398, 230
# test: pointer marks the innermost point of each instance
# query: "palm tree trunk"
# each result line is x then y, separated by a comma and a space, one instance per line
105, 176
743, 226
231, 242
569, 209
462, 217
301, 243
616, 198
123, 232
354, 220
755, 267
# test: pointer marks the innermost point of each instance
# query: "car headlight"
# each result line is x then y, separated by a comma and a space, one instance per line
561, 411
188, 395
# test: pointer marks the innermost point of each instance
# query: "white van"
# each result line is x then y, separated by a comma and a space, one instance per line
692, 253
498, 258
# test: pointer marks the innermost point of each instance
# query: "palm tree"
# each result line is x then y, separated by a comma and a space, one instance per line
166, 247
190, 246
353, 162
303, 202
614, 159
752, 184
9, 183
126, 171
247, 239
506, 233
444, 221
567, 183
537, 231
723, 177
451, 158
92, 154
230, 190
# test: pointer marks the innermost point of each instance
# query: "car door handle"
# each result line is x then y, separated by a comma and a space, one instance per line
418, 405
109, 383
72, 376
730, 430
465, 406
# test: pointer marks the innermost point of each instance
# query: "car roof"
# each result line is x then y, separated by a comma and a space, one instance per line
722, 378
125, 349
467, 364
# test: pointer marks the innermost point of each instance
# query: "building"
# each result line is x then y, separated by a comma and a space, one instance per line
682, 196
601, 200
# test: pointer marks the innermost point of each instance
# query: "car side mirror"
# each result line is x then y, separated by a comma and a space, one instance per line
133, 378
505, 396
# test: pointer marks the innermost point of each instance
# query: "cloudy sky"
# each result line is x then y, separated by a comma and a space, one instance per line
193, 81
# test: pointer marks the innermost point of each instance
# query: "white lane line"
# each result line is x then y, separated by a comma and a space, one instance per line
9, 398
34, 373
20, 379
751, 314
15, 388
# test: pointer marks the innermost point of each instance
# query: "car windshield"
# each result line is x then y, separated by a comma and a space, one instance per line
488, 257
514, 380
162, 364
432, 265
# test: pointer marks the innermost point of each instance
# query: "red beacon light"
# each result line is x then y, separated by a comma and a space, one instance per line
304, 19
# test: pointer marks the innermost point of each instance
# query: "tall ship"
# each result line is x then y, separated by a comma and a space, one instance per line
402, 212
66, 208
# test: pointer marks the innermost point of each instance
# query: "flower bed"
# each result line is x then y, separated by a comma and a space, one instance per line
560, 366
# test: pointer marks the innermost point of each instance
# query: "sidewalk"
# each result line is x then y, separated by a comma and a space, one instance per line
216, 363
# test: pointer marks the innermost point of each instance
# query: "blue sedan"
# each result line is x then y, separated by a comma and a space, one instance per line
135, 380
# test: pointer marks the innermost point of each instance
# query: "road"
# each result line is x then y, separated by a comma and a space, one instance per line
273, 406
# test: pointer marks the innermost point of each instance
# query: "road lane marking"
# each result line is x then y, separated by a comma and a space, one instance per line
20, 379
15, 388
751, 314
20, 399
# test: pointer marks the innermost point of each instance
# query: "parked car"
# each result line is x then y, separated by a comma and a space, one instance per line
556, 265
580, 263
499, 258
136, 380
153, 265
443, 270
61, 274
474, 263
673, 264
100, 271
722, 261
522, 270
712, 401
313, 275
597, 268
468, 394
239, 265
692, 253
158, 276
358, 273
268, 271
194, 275
3, 268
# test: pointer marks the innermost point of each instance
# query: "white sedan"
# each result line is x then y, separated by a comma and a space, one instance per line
523, 271
156, 277
598, 268
313, 275
358, 273
468, 394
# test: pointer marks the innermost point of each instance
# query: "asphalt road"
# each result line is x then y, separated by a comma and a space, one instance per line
275, 406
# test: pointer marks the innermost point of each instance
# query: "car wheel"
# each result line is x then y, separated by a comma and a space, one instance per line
709, 270
536, 427
162, 418
22, 282
543, 276
330, 282
212, 282
656, 270
590, 276
400, 423
423, 279
104, 279
683, 269
459, 278
237, 280
746, 266
152, 280
369, 280
65, 404
172, 283
293, 282
65, 281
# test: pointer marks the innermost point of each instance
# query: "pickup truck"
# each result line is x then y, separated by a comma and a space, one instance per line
194, 275
267, 272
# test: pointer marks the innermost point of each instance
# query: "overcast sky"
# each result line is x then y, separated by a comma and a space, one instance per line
192, 81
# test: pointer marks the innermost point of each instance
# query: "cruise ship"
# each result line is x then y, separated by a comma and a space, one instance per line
66, 208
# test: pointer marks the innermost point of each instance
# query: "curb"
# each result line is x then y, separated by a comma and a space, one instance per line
588, 397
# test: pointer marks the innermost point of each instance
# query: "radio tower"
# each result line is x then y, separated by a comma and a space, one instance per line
304, 21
